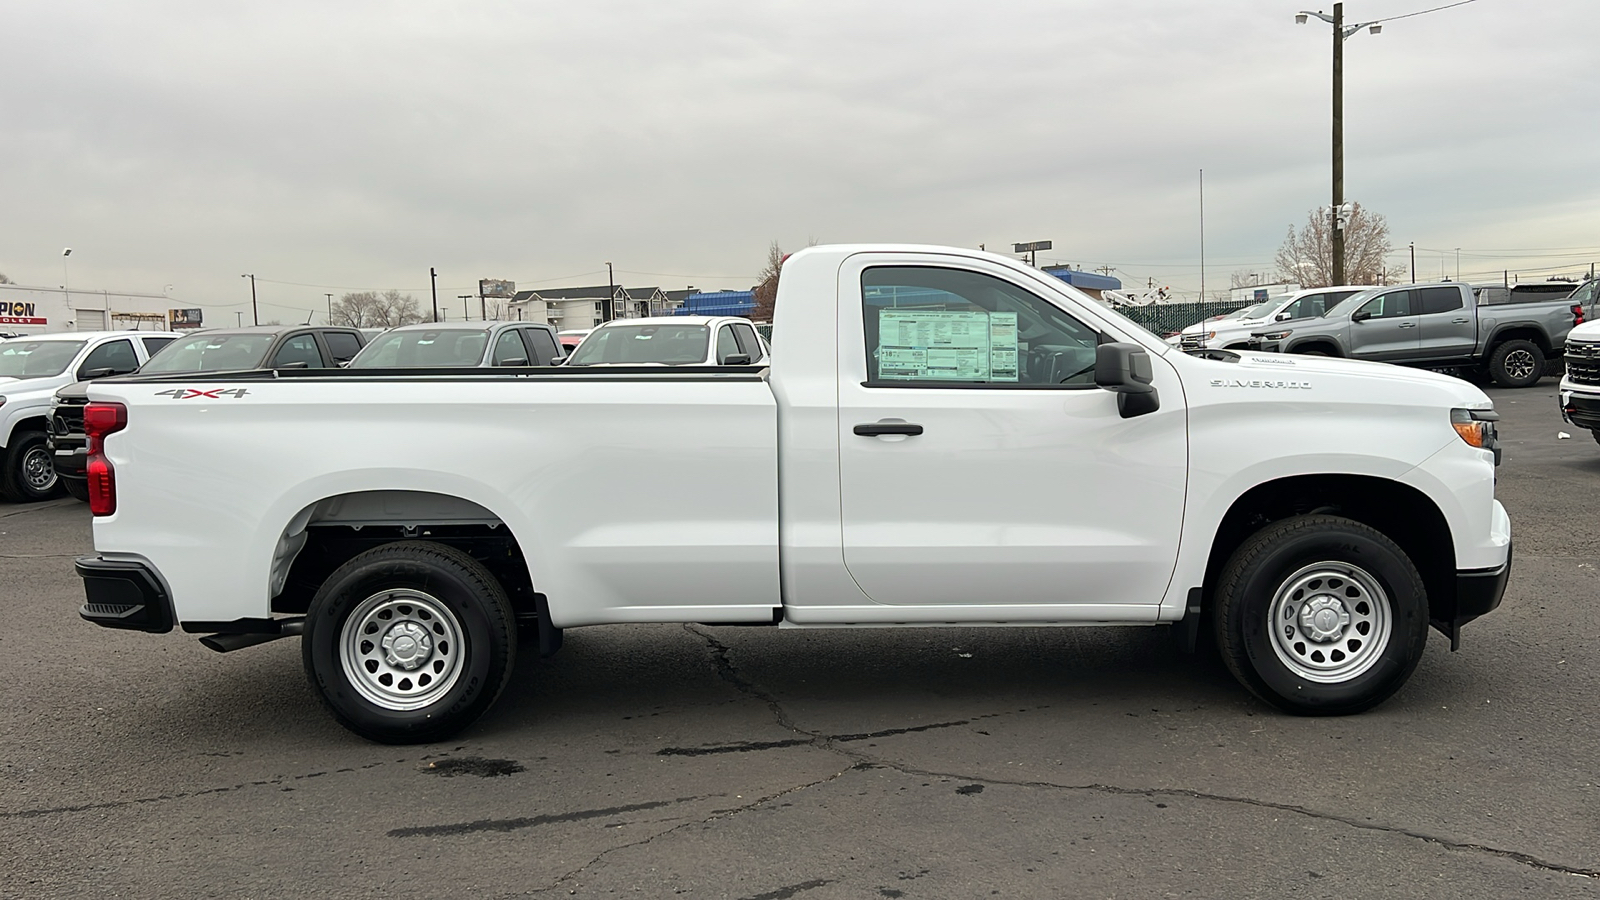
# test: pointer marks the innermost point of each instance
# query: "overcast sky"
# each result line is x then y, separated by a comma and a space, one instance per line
333, 146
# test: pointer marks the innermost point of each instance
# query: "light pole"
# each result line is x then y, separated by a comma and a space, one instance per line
1340, 33
611, 294
434, 276
464, 298
66, 283
330, 308
255, 315
1340, 214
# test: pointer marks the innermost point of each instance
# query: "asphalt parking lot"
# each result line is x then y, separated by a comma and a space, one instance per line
757, 764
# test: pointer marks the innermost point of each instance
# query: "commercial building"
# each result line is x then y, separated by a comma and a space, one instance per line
38, 310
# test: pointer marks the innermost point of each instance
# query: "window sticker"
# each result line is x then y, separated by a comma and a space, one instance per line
915, 344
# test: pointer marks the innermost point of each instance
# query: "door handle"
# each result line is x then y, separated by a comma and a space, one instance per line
1460, 321
872, 429
1408, 324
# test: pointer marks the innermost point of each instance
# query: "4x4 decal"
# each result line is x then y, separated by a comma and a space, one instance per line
212, 394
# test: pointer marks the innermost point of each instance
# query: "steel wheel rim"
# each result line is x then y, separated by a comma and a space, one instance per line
1519, 364
1330, 622
39, 470
402, 649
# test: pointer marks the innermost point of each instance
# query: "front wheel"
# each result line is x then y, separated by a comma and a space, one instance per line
30, 470
409, 642
1516, 364
1321, 615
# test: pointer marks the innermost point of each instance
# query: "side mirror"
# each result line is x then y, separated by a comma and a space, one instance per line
1125, 370
736, 359
1281, 317
559, 360
297, 364
514, 361
1360, 315
102, 372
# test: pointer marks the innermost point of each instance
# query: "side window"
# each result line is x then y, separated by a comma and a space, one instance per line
1440, 300
727, 345
929, 325
302, 348
152, 344
748, 342
114, 355
1309, 305
1389, 306
542, 344
342, 345
508, 349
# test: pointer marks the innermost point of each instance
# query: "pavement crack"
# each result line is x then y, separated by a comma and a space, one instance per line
520, 822
1517, 856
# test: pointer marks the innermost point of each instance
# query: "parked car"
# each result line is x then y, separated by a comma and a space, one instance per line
32, 369
1579, 396
571, 338
1450, 325
1233, 331
216, 350
950, 437
672, 341
461, 344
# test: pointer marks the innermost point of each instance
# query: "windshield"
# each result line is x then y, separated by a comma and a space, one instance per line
423, 347
211, 353
23, 358
668, 344
1261, 310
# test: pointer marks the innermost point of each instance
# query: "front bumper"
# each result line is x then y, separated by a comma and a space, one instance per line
123, 594
1478, 592
1582, 410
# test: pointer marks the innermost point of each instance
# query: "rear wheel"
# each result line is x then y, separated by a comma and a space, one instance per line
1321, 615
79, 490
1516, 364
409, 642
30, 472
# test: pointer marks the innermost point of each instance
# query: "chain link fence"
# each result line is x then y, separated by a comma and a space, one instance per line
1167, 318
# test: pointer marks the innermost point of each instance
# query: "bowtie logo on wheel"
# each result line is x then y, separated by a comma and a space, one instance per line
211, 394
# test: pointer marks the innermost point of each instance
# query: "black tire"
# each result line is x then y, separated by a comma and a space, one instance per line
461, 633
1596, 433
1310, 352
30, 471
1277, 623
1516, 364
78, 490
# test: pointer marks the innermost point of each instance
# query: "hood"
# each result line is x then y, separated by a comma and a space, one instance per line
1289, 366
1588, 331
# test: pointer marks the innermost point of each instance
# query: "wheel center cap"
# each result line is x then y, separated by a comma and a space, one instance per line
1323, 618
407, 646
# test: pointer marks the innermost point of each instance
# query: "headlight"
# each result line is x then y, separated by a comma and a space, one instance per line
1476, 427
1276, 335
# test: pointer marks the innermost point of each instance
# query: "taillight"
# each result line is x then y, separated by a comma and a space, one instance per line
99, 420
1577, 313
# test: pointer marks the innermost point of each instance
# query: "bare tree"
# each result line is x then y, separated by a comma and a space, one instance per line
766, 290
1306, 256
4, 279
370, 309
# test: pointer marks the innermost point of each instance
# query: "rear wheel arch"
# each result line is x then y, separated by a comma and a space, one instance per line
1399, 511
326, 534
1317, 347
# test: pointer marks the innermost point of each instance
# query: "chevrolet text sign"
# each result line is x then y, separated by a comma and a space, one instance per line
18, 312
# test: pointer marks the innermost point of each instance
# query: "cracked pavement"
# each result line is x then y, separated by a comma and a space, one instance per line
759, 764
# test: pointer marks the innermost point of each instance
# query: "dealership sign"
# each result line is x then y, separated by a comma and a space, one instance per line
19, 312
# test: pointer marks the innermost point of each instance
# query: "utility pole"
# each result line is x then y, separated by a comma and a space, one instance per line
483, 310
330, 308
255, 315
1413, 262
611, 294
465, 315
434, 279
1202, 235
238, 318
1338, 143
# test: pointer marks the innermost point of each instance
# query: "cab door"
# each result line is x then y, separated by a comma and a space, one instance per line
979, 464
1386, 327
1448, 327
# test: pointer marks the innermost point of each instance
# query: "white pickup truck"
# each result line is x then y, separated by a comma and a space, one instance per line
943, 437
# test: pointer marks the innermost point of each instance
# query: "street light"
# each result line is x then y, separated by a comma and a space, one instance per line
1341, 32
255, 317
611, 295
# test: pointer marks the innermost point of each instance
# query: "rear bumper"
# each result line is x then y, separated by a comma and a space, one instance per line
1478, 592
123, 594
